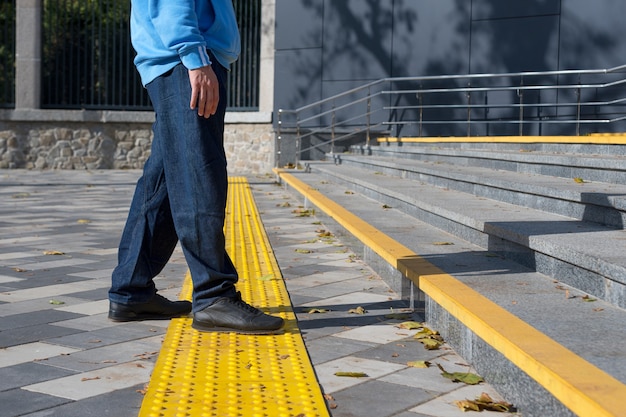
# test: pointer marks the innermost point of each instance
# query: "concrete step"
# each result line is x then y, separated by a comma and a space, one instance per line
590, 162
540, 342
597, 202
583, 254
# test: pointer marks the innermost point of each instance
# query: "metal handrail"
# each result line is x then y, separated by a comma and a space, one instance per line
358, 105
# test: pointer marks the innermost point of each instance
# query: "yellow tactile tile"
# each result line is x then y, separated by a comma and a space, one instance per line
594, 139
202, 374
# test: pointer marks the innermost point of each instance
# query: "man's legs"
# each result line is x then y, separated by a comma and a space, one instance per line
183, 196
194, 163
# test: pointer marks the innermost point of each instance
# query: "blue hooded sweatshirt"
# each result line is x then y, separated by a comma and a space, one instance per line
165, 33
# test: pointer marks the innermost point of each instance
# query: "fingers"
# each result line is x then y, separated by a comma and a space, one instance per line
204, 91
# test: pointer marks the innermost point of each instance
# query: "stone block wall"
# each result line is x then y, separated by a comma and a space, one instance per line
118, 145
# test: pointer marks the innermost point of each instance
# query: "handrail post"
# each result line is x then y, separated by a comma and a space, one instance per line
297, 160
578, 98
421, 107
279, 137
468, 94
520, 94
539, 113
488, 125
332, 134
369, 109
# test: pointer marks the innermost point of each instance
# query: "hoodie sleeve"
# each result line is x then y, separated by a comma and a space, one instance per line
176, 23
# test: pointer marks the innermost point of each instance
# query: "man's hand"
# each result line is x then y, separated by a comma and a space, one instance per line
205, 92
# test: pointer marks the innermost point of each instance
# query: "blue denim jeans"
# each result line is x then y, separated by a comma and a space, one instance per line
181, 196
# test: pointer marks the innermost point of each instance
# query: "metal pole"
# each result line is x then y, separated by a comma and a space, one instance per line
419, 97
332, 135
520, 94
279, 137
469, 111
297, 161
578, 95
369, 108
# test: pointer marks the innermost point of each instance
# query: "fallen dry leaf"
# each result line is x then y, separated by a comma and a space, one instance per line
484, 402
53, 252
317, 311
409, 325
352, 374
418, 364
465, 377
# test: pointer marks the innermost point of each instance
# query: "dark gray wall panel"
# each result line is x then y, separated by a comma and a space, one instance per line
498, 9
515, 45
297, 79
299, 23
430, 40
593, 34
357, 39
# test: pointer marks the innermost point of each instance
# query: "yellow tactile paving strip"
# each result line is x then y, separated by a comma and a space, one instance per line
202, 374
595, 139
579, 385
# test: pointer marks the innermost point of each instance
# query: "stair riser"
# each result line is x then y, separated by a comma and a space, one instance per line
507, 378
601, 214
511, 246
568, 169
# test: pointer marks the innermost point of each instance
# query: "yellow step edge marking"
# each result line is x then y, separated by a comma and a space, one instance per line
596, 139
200, 374
579, 385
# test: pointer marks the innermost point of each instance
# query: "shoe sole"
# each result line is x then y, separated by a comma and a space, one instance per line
218, 329
143, 317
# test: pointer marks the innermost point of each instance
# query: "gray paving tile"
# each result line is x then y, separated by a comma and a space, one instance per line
42, 278
93, 295
34, 318
18, 402
17, 376
400, 351
22, 335
107, 336
376, 399
100, 356
411, 414
329, 348
120, 403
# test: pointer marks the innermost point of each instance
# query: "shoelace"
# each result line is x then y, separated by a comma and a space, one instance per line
245, 306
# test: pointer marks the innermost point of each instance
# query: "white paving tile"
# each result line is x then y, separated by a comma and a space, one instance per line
430, 379
89, 309
444, 405
332, 383
89, 384
5, 278
30, 352
28, 306
357, 298
322, 278
99, 273
17, 255
88, 323
377, 333
52, 290
57, 263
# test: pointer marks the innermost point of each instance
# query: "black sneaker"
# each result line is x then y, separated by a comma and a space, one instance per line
235, 315
158, 308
